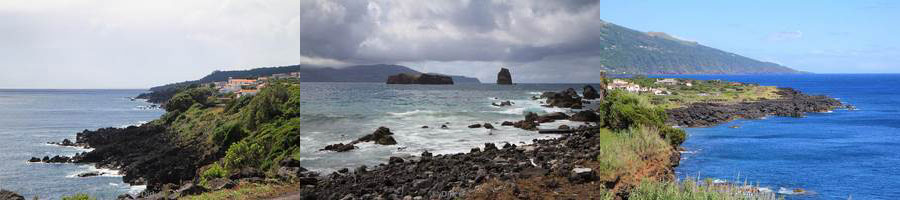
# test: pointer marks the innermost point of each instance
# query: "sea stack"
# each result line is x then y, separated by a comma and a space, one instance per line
429, 79
504, 78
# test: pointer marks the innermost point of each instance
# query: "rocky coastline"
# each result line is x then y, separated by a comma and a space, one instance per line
549, 168
792, 103
559, 162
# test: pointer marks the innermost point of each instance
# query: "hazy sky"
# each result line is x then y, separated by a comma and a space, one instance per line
538, 38
139, 44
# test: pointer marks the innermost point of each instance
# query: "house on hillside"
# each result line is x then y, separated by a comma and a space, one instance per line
667, 81
236, 84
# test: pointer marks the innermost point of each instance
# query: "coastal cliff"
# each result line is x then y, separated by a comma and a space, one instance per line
204, 143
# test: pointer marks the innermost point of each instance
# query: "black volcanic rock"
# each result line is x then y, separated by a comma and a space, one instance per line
339, 147
585, 116
792, 103
504, 77
427, 79
566, 99
591, 93
381, 136
9, 195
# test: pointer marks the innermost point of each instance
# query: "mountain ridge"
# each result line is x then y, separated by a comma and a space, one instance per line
630, 51
310, 73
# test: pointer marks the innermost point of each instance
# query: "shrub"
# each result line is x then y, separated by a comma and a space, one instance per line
623, 110
243, 154
226, 134
675, 136
215, 171
187, 98
78, 196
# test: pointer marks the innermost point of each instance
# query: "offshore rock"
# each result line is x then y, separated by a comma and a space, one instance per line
504, 77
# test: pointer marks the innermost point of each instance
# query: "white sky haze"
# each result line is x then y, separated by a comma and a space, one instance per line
140, 44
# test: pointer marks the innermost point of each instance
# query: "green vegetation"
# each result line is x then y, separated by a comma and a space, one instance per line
78, 196
213, 172
634, 52
622, 111
690, 190
249, 132
625, 150
703, 91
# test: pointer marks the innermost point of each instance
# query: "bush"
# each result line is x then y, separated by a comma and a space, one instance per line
243, 154
675, 136
226, 134
187, 98
623, 110
215, 171
78, 196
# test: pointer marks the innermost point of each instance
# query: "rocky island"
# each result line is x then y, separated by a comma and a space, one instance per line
426, 79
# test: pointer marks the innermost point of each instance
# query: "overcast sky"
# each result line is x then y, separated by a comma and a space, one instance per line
539, 38
139, 44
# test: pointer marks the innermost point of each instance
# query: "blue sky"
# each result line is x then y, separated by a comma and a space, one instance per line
814, 36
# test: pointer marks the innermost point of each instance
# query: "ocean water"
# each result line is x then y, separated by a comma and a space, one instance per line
834, 155
343, 112
31, 118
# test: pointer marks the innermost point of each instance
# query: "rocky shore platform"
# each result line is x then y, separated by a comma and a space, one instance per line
146, 154
552, 164
792, 103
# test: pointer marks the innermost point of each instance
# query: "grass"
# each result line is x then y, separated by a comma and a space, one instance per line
699, 190
246, 191
78, 196
626, 150
705, 91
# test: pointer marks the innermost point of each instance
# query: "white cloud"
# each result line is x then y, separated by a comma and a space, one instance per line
138, 44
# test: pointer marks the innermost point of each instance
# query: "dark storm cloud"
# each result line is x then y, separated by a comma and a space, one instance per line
476, 30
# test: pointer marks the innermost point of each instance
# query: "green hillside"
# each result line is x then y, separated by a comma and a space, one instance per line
634, 52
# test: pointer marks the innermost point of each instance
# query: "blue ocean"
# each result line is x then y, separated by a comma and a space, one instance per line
31, 118
838, 155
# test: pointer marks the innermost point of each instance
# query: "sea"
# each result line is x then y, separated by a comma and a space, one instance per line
844, 154
342, 112
31, 118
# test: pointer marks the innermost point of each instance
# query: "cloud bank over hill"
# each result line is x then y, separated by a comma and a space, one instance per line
457, 37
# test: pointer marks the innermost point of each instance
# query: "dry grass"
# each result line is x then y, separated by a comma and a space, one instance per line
696, 189
247, 191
